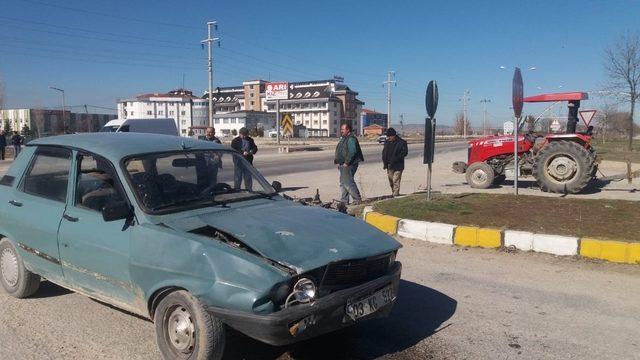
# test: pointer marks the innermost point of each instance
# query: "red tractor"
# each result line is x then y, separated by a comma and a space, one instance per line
560, 163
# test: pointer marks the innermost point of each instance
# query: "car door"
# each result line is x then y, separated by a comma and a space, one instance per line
36, 207
94, 252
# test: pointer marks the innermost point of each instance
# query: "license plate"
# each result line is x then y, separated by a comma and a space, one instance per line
370, 304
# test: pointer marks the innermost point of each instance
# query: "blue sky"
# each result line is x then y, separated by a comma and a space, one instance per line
99, 51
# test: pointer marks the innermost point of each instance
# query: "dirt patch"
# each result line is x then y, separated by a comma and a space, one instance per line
606, 219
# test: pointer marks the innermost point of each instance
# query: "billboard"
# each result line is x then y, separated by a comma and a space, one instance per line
277, 91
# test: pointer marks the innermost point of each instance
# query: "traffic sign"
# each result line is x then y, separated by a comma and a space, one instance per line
587, 116
507, 127
431, 98
517, 93
287, 125
277, 91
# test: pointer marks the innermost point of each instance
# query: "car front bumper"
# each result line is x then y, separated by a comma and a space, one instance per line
324, 315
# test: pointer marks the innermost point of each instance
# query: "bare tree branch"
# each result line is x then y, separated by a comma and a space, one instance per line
622, 63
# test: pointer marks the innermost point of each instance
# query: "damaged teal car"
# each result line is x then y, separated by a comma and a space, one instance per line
188, 234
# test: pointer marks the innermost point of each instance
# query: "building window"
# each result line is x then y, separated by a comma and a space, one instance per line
184, 122
217, 121
251, 87
171, 112
251, 94
132, 115
335, 113
185, 113
160, 112
252, 102
325, 122
149, 112
335, 122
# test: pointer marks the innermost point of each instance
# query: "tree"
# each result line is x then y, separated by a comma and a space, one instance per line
6, 126
234, 132
604, 118
622, 62
26, 132
460, 124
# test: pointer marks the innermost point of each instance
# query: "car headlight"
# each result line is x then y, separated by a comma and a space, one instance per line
304, 291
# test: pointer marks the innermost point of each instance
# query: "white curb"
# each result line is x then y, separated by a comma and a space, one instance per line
413, 229
555, 244
522, 240
440, 233
365, 211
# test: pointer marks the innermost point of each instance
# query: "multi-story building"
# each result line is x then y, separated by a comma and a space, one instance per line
321, 106
372, 117
226, 123
45, 122
181, 105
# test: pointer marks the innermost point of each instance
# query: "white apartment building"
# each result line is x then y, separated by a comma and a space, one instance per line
321, 106
181, 105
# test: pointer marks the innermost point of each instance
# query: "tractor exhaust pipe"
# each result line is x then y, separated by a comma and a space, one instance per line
572, 118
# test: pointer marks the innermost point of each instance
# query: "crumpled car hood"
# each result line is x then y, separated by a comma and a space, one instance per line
300, 237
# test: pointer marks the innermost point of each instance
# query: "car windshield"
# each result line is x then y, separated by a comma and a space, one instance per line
172, 181
111, 128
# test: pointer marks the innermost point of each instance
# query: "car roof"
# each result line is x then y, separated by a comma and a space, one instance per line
115, 146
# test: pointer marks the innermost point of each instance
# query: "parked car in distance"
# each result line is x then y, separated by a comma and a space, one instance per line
151, 126
188, 234
382, 139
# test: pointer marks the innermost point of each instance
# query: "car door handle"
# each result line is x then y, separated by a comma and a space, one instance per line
15, 203
70, 218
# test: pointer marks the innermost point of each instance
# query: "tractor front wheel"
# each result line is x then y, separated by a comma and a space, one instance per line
480, 175
563, 167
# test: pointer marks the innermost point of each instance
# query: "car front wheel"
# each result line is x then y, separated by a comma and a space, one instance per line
15, 278
185, 330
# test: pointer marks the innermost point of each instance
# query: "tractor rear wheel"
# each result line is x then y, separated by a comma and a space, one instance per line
563, 167
480, 175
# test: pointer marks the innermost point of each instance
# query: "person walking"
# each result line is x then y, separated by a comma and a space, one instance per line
393, 154
16, 141
210, 135
3, 144
348, 156
245, 145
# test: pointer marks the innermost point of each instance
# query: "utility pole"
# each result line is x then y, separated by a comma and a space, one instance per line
64, 115
390, 75
211, 25
465, 114
484, 120
402, 124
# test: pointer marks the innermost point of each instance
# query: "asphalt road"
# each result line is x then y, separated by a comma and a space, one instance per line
280, 164
453, 303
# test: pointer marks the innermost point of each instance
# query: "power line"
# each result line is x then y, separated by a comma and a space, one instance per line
122, 18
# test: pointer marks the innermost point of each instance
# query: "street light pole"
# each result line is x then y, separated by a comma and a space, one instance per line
64, 112
484, 120
211, 25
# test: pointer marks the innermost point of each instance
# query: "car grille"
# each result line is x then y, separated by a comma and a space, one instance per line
349, 273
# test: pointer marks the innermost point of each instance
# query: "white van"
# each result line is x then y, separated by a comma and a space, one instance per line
153, 126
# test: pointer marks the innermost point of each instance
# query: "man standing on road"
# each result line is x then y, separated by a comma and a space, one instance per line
348, 156
393, 154
16, 141
3, 144
210, 135
245, 145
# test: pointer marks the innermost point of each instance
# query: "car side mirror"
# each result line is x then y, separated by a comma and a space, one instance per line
116, 211
277, 186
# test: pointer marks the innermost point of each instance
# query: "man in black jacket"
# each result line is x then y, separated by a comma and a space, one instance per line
393, 154
3, 143
245, 145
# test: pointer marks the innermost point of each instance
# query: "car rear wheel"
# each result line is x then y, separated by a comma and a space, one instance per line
185, 330
480, 175
15, 278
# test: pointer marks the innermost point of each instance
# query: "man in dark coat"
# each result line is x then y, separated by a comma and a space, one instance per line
3, 143
16, 141
393, 154
210, 135
245, 145
348, 156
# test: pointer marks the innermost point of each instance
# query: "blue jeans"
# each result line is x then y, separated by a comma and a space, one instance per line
348, 184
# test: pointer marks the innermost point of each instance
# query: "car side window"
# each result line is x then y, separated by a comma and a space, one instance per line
96, 186
48, 175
